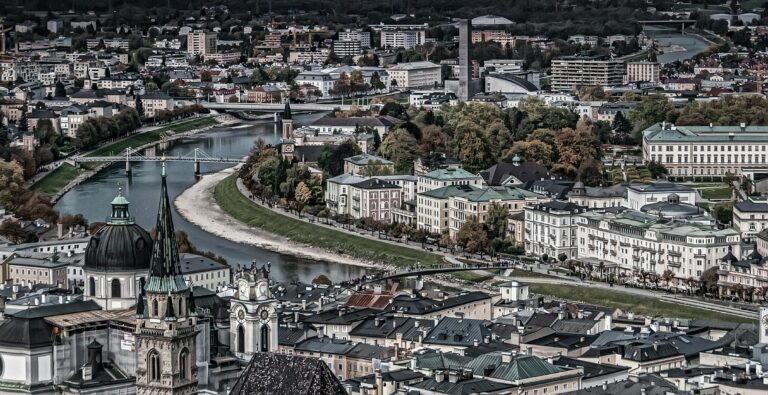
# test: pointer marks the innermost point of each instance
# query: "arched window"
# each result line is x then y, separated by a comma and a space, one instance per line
92, 286
183, 364
142, 281
264, 338
153, 365
155, 312
240, 339
116, 289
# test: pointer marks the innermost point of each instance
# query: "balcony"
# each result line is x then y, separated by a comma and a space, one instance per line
635, 258
675, 254
674, 264
613, 242
356, 198
700, 256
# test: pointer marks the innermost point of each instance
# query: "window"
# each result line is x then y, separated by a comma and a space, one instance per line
155, 311
240, 339
115, 288
264, 338
183, 357
92, 286
153, 365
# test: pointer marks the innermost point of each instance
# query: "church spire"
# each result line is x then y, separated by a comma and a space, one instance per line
165, 269
287, 111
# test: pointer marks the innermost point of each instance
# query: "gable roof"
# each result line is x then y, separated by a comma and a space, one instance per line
525, 172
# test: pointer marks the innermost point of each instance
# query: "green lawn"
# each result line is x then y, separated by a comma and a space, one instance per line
148, 137
717, 193
628, 302
57, 179
238, 206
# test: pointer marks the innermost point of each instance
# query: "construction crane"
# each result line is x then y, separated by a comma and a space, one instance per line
3, 30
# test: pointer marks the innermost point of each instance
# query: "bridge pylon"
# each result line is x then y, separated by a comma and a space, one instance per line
128, 160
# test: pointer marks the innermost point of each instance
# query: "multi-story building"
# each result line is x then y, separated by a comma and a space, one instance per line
406, 39
706, 151
325, 83
415, 75
347, 48
201, 43
364, 37
674, 238
476, 202
573, 71
642, 72
154, 102
112, 43
264, 94
71, 119
550, 228
750, 217
205, 272
440, 178
363, 197
40, 268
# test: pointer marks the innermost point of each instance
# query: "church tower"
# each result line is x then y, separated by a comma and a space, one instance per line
287, 142
287, 122
165, 317
253, 318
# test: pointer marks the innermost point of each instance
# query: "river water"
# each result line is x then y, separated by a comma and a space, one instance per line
666, 36
142, 188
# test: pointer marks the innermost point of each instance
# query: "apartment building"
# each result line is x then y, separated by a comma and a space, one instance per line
364, 197
153, 103
406, 39
363, 37
642, 72
416, 75
201, 43
204, 272
324, 82
628, 241
706, 151
111, 43
550, 228
573, 71
344, 48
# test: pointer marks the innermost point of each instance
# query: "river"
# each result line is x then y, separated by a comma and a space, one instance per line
665, 36
142, 188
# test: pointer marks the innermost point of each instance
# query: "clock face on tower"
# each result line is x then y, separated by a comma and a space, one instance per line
765, 320
264, 313
240, 313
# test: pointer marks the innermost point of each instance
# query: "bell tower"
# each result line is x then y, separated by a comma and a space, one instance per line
287, 143
253, 316
166, 318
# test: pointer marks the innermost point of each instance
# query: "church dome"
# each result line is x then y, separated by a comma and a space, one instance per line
121, 244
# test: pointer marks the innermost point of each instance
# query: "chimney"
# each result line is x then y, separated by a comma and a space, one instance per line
439, 376
605, 385
743, 126
43, 298
486, 339
379, 380
506, 357
746, 368
580, 314
59, 230
733, 377
477, 343
453, 376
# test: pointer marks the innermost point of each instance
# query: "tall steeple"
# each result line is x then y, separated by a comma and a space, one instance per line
165, 332
165, 269
287, 111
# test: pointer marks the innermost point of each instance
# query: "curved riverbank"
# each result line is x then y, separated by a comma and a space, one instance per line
198, 206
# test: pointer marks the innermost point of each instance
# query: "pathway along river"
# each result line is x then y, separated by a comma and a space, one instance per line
142, 188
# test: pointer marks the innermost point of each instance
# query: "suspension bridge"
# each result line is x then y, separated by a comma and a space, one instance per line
197, 156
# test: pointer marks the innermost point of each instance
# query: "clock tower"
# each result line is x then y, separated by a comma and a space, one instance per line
253, 313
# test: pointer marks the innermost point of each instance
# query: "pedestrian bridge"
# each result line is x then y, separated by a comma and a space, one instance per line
197, 157
278, 107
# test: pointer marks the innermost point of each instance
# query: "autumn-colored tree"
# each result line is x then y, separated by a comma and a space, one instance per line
12, 181
590, 93
650, 110
534, 151
401, 148
471, 236
475, 153
322, 279
13, 232
302, 197
574, 146
446, 240
496, 220
668, 276
433, 139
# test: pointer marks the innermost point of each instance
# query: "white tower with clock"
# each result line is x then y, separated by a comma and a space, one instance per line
253, 314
